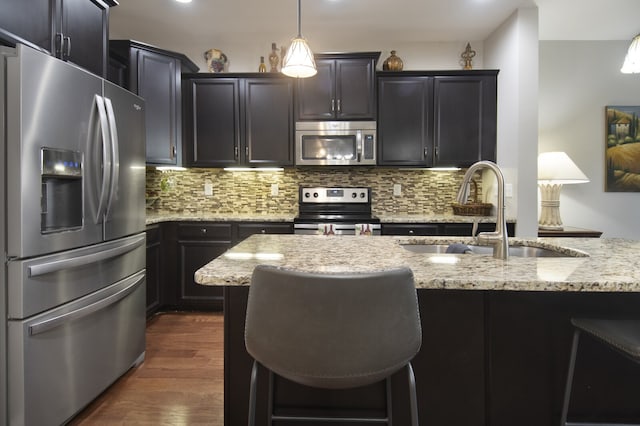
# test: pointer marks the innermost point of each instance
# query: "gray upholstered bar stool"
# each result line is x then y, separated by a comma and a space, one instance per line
332, 331
622, 335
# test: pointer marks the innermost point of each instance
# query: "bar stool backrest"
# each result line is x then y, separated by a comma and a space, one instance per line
332, 330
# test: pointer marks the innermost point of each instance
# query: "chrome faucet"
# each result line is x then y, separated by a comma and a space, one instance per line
498, 238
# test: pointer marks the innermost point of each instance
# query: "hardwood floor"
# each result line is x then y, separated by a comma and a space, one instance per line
179, 383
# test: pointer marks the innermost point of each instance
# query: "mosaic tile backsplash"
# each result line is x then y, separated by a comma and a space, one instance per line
422, 191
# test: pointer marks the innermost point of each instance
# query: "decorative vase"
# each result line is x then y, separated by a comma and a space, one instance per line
392, 63
262, 67
274, 60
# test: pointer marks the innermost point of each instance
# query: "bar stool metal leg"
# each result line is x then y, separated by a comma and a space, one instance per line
567, 389
412, 395
252, 394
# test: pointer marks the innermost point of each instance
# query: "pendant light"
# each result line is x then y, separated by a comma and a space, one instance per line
632, 60
298, 61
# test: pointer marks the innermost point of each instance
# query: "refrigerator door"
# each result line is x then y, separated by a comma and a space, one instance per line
42, 283
125, 212
62, 359
51, 118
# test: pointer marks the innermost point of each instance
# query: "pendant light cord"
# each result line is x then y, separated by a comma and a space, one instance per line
299, 19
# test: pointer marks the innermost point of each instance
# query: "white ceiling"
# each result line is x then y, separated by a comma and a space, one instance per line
390, 20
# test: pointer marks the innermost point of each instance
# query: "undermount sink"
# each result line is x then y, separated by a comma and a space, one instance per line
514, 250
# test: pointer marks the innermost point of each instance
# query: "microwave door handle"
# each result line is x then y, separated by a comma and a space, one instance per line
115, 157
106, 157
359, 146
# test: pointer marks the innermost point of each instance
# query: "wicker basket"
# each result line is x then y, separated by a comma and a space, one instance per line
474, 208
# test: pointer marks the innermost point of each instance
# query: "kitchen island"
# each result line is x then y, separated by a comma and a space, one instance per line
496, 334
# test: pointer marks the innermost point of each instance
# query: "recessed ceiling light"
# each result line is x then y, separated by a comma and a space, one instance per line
183, 1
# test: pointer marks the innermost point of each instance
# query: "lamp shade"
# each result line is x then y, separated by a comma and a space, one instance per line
631, 63
298, 62
557, 167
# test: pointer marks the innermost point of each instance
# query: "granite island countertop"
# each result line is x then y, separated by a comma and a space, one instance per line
604, 265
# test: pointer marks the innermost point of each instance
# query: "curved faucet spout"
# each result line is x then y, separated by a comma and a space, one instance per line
499, 238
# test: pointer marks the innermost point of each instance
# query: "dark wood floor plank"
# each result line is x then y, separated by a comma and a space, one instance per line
180, 382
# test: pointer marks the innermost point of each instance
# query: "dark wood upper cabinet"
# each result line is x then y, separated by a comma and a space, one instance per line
436, 119
239, 120
72, 30
154, 74
405, 120
343, 89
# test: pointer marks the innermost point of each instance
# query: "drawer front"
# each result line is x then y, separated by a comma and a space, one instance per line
206, 231
410, 229
247, 229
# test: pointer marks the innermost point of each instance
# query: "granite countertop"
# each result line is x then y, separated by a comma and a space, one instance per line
605, 265
153, 218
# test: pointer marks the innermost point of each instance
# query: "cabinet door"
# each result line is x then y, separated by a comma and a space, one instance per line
404, 121
316, 95
84, 28
214, 123
28, 22
355, 89
154, 269
158, 82
465, 120
199, 244
269, 126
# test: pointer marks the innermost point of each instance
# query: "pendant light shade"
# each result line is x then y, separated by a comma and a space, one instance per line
298, 62
632, 60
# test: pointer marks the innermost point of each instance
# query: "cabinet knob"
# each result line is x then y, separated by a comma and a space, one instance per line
263, 231
411, 231
204, 230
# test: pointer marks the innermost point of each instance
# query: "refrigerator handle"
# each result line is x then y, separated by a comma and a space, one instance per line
115, 162
74, 262
51, 323
106, 158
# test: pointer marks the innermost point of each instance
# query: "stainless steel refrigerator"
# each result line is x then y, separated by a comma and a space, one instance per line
72, 300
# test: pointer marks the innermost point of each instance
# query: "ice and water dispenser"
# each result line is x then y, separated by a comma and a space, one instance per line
61, 197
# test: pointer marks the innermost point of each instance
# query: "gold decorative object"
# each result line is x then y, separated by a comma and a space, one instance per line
467, 57
274, 60
474, 208
262, 67
392, 63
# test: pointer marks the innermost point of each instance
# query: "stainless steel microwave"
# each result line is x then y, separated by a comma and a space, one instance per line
335, 143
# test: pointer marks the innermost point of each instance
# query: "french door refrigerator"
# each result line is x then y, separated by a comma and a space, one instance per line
73, 272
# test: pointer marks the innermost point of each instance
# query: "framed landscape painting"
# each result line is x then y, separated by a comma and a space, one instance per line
622, 155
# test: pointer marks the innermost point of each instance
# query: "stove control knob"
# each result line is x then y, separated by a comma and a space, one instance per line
307, 195
315, 195
354, 195
362, 195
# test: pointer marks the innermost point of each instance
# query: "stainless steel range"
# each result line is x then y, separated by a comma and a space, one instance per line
335, 210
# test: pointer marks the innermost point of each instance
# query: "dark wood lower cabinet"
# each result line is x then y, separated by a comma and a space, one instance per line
154, 268
487, 358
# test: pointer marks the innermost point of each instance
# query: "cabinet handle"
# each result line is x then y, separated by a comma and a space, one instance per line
339, 105
426, 152
333, 105
67, 49
235, 152
436, 151
173, 152
246, 151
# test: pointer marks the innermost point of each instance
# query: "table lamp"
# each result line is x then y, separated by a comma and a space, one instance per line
554, 170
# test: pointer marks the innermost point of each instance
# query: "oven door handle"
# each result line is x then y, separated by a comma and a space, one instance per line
56, 321
74, 262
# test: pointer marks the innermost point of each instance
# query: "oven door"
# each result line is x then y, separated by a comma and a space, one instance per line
331, 228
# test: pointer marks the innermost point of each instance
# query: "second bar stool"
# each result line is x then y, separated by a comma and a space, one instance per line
621, 335
333, 331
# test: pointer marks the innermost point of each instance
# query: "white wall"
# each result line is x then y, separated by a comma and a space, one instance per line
513, 49
577, 80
